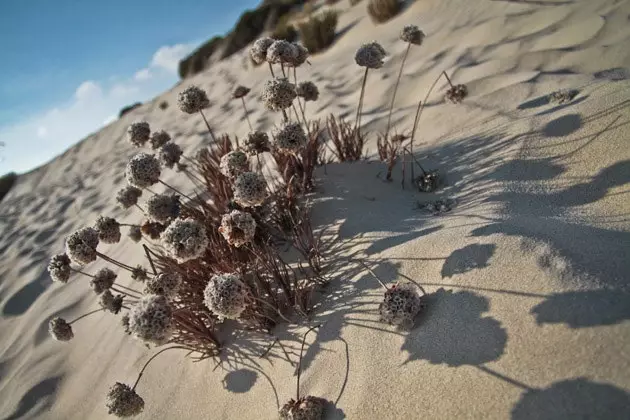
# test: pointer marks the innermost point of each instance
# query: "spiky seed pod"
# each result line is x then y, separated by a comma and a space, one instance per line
185, 239
256, 142
135, 233
370, 55
278, 94
289, 138
401, 303
159, 139
108, 229
240, 92
139, 273
300, 56
226, 296
412, 34
308, 90
122, 401
281, 51
138, 133
238, 228
59, 268
128, 196
152, 229
81, 245
165, 284
428, 182
124, 321
170, 154
111, 303
233, 164
163, 207
103, 280
306, 408
456, 94
258, 51
250, 189
192, 100
60, 330
143, 170
150, 319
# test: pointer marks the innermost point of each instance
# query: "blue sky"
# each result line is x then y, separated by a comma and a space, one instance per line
69, 66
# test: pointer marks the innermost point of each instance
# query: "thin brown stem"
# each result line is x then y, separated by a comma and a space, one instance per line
128, 288
175, 189
391, 105
247, 115
139, 208
208, 126
153, 357
82, 272
299, 368
113, 261
122, 292
271, 70
447, 78
357, 122
146, 251
84, 315
371, 272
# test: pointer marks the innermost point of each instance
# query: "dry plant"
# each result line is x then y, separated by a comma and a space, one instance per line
383, 10
347, 140
318, 32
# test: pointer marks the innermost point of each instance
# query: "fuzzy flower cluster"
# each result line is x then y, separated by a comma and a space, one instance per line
138, 133
258, 51
428, 182
143, 170
108, 229
238, 228
456, 94
290, 137
185, 239
164, 284
152, 229
250, 189
256, 142
306, 408
401, 303
170, 154
150, 319
370, 55
139, 273
308, 90
278, 94
135, 233
128, 196
233, 164
301, 54
159, 139
60, 330
163, 207
59, 268
122, 401
103, 280
240, 92
226, 296
412, 34
111, 303
81, 245
192, 100
281, 52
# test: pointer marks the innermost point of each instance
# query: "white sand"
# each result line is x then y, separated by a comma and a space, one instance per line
528, 275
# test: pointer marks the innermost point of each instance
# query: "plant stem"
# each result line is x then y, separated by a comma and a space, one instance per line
139, 208
447, 78
82, 272
247, 114
128, 288
113, 261
176, 190
153, 357
84, 315
271, 70
357, 123
372, 272
124, 293
299, 368
208, 125
391, 105
146, 251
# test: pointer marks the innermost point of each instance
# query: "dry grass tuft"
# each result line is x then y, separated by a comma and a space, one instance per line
383, 10
348, 140
318, 33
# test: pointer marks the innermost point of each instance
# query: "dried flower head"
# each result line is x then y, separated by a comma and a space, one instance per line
256, 142
152, 229
59, 268
81, 245
281, 51
159, 139
456, 94
563, 96
226, 295
192, 99
370, 55
170, 154
278, 94
401, 303
108, 229
111, 303
163, 207
428, 182
139, 273
250, 189
240, 92
138, 133
289, 138
128, 196
300, 57
238, 227
60, 330
412, 34
124, 320
258, 51
234, 163
305, 408
165, 284
150, 319
135, 233
122, 401
103, 280
185, 239
308, 90
143, 170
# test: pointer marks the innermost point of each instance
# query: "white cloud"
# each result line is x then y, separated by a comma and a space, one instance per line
88, 90
169, 56
123, 90
142, 75
42, 132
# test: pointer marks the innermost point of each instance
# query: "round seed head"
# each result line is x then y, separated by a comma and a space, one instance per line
238, 228
138, 133
240, 92
233, 164
225, 295
59, 268
185, 239
250, 189
170, 154
412, 34
278, 94
401, 303
163, 207
81, 245
152, 229
165, 284
135, 233
103, 280
281, 51
289, 138
143, 170
256, 142
128, 196
108, 230
111, 303
192, 99
300, 56
139, 273
150, 319
159, 139
370, 55
305, 408
122, 401
308, 91
456, 94
258, 51
60, 330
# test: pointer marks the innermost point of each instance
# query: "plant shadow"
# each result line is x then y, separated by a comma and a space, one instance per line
468, 258
40, 396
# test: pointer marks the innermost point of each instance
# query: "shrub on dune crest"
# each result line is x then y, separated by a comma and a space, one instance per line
318, 33
383, 10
